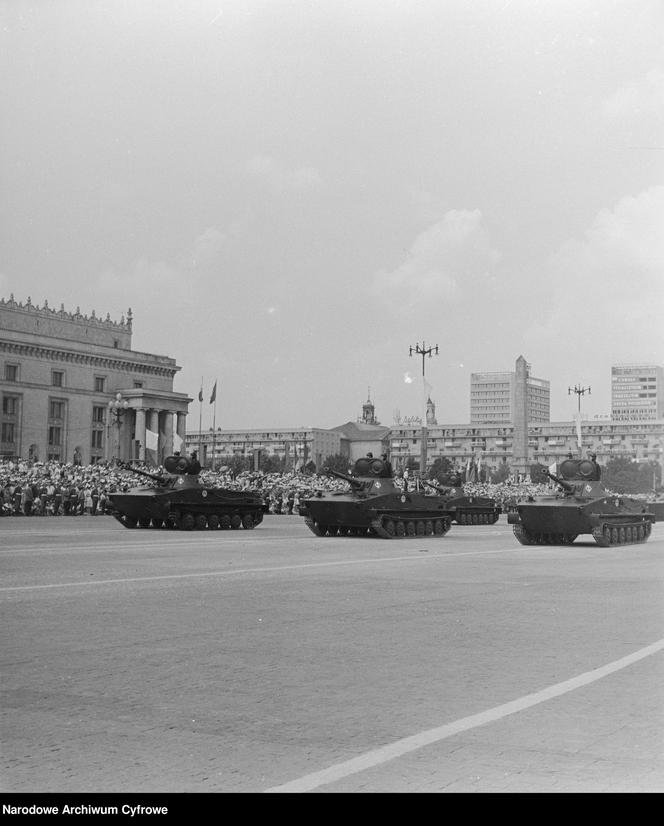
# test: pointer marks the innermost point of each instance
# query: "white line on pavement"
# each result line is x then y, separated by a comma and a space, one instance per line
237, 572
376, 757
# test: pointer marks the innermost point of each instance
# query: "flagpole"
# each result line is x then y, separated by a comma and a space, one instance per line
200, 422
214, 422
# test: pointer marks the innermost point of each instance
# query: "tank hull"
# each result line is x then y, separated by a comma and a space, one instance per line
383, 517
610, 521
473, 510
187, 509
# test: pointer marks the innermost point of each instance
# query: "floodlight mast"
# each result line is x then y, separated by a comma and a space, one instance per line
423, 351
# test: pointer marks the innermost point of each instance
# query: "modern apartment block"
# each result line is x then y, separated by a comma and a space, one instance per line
493, 398
637, 392
73, 390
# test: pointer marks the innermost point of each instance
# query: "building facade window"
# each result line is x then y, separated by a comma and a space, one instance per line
54, 436
97, 439
9, 405
57, 378
7, 434
56, 409
100, 384
11, 372
98, 414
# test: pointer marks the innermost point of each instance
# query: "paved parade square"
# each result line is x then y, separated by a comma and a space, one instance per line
273, 660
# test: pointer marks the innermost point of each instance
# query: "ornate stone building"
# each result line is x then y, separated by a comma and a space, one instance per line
72, 389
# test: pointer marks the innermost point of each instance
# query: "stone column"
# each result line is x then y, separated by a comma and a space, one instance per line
153, 419
182, 429
140, 432
169, 421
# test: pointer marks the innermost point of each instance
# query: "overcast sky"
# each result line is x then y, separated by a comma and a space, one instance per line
291, 193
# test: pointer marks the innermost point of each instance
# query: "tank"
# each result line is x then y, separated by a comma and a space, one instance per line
582, 505
178, 499
467, 510
375, 506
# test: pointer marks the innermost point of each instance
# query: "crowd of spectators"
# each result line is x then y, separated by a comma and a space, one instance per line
64, 489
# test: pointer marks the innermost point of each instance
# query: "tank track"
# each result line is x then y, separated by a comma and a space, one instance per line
489, 517
387, 527
189, 521
605, 534
608, 535
527, 538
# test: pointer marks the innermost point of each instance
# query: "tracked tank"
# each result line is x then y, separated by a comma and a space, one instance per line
177, 499
375, 506
467, 510
582, 505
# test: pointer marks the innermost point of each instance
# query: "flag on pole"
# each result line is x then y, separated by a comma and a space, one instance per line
214, 393
553, 468
177, 442
151, 439
200, 394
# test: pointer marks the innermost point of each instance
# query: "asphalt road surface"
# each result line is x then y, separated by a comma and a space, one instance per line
272, 660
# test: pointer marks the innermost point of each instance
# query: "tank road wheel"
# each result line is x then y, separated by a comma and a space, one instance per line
247, 521
410, 528
236, 521
225, 522
129, 521
213, 521
401, 529
614, 536
438, 527
621, 535
641, 533
390, 527
157, 523
188, 522
419, 527
201, 521
144, 522
428, 527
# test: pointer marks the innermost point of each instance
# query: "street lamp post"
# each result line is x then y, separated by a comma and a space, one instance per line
116, 410
580, 391
423, 351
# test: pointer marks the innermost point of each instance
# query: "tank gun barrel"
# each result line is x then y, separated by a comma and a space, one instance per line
438, 488
563, 484
356, 483
155, 476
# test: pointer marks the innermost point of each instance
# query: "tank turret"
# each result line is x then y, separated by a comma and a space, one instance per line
180, 500
376, 505
583, 506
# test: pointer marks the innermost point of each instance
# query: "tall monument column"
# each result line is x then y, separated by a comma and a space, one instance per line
520, 418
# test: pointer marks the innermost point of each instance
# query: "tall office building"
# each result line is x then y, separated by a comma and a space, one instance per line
637, 392
493, 398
